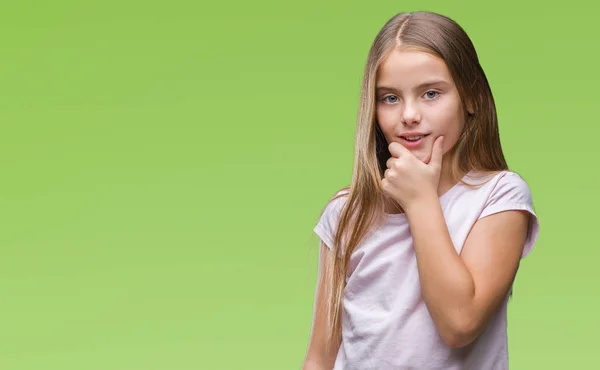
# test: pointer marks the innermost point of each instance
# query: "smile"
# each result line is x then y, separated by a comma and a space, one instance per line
412, 141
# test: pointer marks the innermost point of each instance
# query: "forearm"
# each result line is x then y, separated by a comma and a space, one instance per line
315, 365
447, 286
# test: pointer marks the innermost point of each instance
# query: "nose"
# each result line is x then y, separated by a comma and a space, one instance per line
410, 114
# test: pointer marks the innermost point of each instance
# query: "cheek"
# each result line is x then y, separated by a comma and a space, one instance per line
386, 125
448, 122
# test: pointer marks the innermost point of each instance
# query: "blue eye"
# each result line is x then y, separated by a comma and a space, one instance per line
428, 94
389, 96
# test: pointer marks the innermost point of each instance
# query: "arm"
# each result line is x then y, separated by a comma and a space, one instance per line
316, 357
463, 291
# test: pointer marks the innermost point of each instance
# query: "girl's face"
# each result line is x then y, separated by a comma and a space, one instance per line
417, 101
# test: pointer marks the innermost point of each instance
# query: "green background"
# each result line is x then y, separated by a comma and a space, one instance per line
164, 163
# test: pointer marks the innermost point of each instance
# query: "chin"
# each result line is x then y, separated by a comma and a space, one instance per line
422, 158
421, 155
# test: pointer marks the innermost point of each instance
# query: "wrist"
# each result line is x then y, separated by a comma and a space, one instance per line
425, 202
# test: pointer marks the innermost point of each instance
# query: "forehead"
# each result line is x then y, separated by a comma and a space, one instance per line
410, 66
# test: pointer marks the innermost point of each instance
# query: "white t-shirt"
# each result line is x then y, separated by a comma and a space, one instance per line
386, 324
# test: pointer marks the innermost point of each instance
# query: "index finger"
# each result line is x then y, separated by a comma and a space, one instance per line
397, 149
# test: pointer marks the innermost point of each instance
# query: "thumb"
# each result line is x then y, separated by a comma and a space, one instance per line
437, 152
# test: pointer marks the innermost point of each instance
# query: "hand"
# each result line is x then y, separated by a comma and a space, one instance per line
408, 179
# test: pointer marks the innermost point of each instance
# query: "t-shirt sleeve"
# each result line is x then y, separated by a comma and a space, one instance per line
327, 225
511, 192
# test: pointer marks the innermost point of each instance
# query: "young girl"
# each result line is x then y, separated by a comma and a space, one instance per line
419, 254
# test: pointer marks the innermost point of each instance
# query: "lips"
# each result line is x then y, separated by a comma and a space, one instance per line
413, 139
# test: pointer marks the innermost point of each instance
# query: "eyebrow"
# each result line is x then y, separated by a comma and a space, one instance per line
420, 86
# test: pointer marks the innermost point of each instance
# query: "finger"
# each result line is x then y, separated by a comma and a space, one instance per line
390, 162
437, 153
384, 185
397, 149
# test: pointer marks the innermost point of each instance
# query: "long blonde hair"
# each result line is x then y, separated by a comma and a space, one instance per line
478, 148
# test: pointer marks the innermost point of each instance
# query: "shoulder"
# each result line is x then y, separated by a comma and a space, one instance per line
506, 190
499, 183
336, 202
510, 186
329, 217
492, 192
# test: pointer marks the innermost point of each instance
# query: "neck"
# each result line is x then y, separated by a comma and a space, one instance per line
446, 180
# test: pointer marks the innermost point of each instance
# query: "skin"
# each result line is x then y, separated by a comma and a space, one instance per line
462, 291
